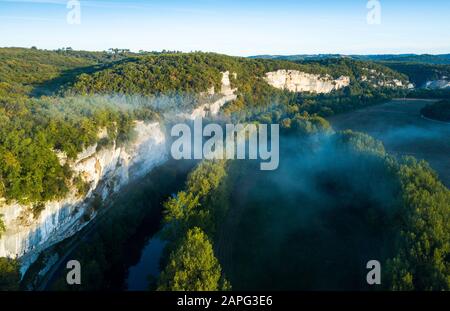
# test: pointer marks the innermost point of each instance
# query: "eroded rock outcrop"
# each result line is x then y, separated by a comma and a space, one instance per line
227, 94
438, 84
297, 81
106, 170
380, 80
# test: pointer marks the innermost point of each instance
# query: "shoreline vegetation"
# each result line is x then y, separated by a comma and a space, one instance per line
206, 209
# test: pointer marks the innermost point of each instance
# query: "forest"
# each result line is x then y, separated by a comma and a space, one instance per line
299, 227
55, 102
32, 126
437, 111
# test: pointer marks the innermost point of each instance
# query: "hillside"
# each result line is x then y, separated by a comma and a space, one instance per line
424, 71
442, 59
37, 125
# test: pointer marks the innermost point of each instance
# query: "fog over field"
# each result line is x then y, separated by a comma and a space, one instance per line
399, 125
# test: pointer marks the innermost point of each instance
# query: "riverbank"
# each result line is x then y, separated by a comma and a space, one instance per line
119, 237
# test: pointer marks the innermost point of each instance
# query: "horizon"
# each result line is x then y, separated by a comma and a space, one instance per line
200, 51
348, 27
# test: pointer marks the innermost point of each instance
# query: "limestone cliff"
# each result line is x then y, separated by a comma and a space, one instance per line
297, 81
106, 170
438, 84
378, 79
226, 94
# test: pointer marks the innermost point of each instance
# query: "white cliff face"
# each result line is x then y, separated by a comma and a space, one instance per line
226, 84
227, 94
438, 84
211, 109
106, 170
379, 79
297, 81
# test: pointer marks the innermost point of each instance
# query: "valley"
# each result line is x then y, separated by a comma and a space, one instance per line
86, 173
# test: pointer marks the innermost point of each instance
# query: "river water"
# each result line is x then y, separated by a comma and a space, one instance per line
147, 267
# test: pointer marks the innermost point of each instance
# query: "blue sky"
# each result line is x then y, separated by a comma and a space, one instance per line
231, 27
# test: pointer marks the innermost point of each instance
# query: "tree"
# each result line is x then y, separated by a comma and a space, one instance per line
423, 243
180, 207
9, 274
193, 266
2, 226
439, 111
206, 177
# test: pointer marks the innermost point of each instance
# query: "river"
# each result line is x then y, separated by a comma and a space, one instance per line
147, 268
127, 229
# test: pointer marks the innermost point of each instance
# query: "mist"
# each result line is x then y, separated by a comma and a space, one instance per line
403, 131
316, 221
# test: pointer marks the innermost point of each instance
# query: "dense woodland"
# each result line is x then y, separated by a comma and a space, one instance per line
56, 101
418, 68
286, 220
437, 111
34, 126
420, 74
441, 59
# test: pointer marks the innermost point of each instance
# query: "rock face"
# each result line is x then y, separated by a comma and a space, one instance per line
226, 94
226, 84
379, 80
438, 84
106, 170
297, 81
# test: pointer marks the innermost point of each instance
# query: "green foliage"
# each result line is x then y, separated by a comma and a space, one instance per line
191, 213
206, 177
33, 129
362, 143
193, 266
37, 209
411, 58
405, 198
185, 210
22, 70
196, 72
438, 111
430, 94
153, 74
179, 208
2, 226
81, 185
9, 274
309, 223
423, 242
118, 237
419, 73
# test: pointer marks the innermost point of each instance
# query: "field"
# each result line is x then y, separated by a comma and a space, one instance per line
399, 125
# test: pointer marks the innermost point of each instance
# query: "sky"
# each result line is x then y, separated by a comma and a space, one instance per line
234, 27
